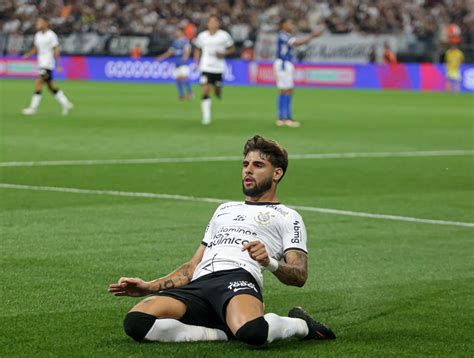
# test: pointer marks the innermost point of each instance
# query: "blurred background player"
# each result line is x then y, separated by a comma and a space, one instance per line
453, 59
284, 69
180, 50
46, 46
212, 46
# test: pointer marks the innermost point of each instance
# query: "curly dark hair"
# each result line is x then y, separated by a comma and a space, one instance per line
272, 150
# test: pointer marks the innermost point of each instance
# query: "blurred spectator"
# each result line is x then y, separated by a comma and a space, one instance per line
243, 18
247, 52
136, 51
388, 55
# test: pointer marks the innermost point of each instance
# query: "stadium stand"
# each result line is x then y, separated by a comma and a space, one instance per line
423, 19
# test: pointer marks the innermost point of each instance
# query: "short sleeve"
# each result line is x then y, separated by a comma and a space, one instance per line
209, 229
291, 41
229, 42
54, 40
198, 41
294, 237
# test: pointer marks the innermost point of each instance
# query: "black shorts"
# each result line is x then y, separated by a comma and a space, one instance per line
45, 74
214, 79
207, 297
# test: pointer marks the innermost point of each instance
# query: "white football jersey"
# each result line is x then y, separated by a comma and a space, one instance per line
45, 42
209, 45
234, 224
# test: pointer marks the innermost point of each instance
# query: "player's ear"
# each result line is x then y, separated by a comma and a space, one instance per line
277, 174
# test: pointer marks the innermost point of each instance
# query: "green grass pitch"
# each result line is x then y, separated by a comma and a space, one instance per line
386, 287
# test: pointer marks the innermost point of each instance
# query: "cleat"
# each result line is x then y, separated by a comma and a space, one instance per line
316, 330
66, 108
281, 123
292, 123
28, 111
190, 96
181, 98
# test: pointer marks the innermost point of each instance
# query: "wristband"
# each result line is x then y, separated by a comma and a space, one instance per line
272, 265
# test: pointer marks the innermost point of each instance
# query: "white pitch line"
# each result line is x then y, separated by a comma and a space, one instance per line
216, 200
48, 163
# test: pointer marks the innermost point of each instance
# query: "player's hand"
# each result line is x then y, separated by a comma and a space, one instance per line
159, 58
258, 252
59, 69
26, 56
133, 287
220, 54
318, 31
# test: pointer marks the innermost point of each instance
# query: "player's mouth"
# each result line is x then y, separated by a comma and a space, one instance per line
248, 181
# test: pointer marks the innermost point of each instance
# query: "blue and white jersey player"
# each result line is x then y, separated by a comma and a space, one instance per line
179, 51
284, 69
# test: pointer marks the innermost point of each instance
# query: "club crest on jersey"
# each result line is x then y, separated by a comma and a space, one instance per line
241, 285
263, 218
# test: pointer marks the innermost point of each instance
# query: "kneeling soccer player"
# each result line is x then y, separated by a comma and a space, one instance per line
217, 295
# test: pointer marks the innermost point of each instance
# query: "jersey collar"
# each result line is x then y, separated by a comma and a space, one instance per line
260, 203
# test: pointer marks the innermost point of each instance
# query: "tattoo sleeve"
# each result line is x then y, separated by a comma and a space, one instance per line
294, 271
178, 278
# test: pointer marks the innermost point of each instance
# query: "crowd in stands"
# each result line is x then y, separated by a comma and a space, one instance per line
243, 18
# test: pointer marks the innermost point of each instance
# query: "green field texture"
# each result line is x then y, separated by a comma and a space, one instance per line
386, 287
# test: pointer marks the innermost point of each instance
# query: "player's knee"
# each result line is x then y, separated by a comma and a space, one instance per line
254, 332
138, 324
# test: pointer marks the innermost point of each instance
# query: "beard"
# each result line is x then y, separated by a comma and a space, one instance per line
259, 188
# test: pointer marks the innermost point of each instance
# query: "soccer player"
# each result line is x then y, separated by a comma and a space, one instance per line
212, 46
453, 59
284, 69
180, 50
217, 295
46, 46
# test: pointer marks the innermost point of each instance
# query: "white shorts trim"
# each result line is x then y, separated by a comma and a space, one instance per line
181, 71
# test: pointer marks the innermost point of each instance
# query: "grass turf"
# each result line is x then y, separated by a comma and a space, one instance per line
386, 287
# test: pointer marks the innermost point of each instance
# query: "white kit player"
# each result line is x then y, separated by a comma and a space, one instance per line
46, 46
284, 69
217, 295
212, 47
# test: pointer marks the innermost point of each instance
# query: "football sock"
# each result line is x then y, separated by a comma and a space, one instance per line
180, 88
288, 107
61, 98
281, 106
206, 110
189, 90
171, 330
35, 100
284, 327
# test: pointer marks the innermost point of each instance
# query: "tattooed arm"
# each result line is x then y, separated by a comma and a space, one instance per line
294, 271
136, 287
